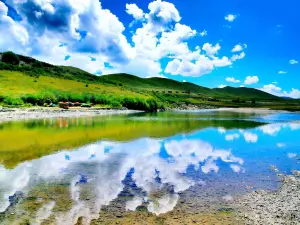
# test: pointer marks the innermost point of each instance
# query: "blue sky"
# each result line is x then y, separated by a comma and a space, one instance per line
212, 43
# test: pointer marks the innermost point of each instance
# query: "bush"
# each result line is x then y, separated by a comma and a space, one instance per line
30, 99
13, 101
140, 104
10, 58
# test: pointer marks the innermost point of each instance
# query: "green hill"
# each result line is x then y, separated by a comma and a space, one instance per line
27, 81
245, 93
154, 84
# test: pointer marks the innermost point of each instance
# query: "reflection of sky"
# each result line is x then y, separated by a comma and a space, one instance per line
159, 166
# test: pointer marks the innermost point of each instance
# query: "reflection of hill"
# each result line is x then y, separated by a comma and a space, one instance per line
21, 141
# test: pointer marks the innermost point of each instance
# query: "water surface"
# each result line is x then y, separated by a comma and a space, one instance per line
79, 170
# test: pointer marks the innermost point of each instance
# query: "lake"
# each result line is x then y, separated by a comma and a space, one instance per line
163, 168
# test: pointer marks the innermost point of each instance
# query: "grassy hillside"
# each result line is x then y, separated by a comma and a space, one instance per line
31, 82
245, 93
154, 84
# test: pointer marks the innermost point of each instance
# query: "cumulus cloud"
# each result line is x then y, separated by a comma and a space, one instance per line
275, 90
231, 137
210, 49
239, 48
238, 56
203, 33
251, 80
293, 61
81, 24
232, 80
271, 129
3, 9
250, 137
135, 11
15, 35
222, 86
230, 17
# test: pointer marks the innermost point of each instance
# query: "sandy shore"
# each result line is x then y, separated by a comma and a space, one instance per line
14, 114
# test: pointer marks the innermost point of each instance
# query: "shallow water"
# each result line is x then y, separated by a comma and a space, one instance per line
61, 170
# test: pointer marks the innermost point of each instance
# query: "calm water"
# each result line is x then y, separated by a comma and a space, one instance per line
58, 170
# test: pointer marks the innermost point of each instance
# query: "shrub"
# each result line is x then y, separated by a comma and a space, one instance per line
140, 104
13, 101
30, 99
10, 58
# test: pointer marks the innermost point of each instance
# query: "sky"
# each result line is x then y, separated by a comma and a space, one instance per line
213, 43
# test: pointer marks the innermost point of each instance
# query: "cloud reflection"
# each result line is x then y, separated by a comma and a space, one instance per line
105, 172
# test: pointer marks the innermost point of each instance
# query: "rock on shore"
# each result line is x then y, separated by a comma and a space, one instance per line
280, 207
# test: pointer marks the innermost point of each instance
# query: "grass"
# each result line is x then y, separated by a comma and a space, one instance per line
17, 89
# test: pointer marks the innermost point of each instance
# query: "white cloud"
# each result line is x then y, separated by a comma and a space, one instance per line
293, 61
281, 145
235, 168
250, 137
230, 17
210, 49
222, 86
275, 90
282, 72
3, 9
203, 33
232, 80
292, 155
239, 48
135, 11
161, 15
294, 126
221, 130
271, 129
81, 24
231, 137
48, 8
15, 36
237, 57
187, 68
294, 93
251, 80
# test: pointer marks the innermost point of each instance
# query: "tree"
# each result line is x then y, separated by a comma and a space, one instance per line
10, 58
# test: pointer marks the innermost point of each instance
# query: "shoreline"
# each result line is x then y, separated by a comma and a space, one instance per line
18, 114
